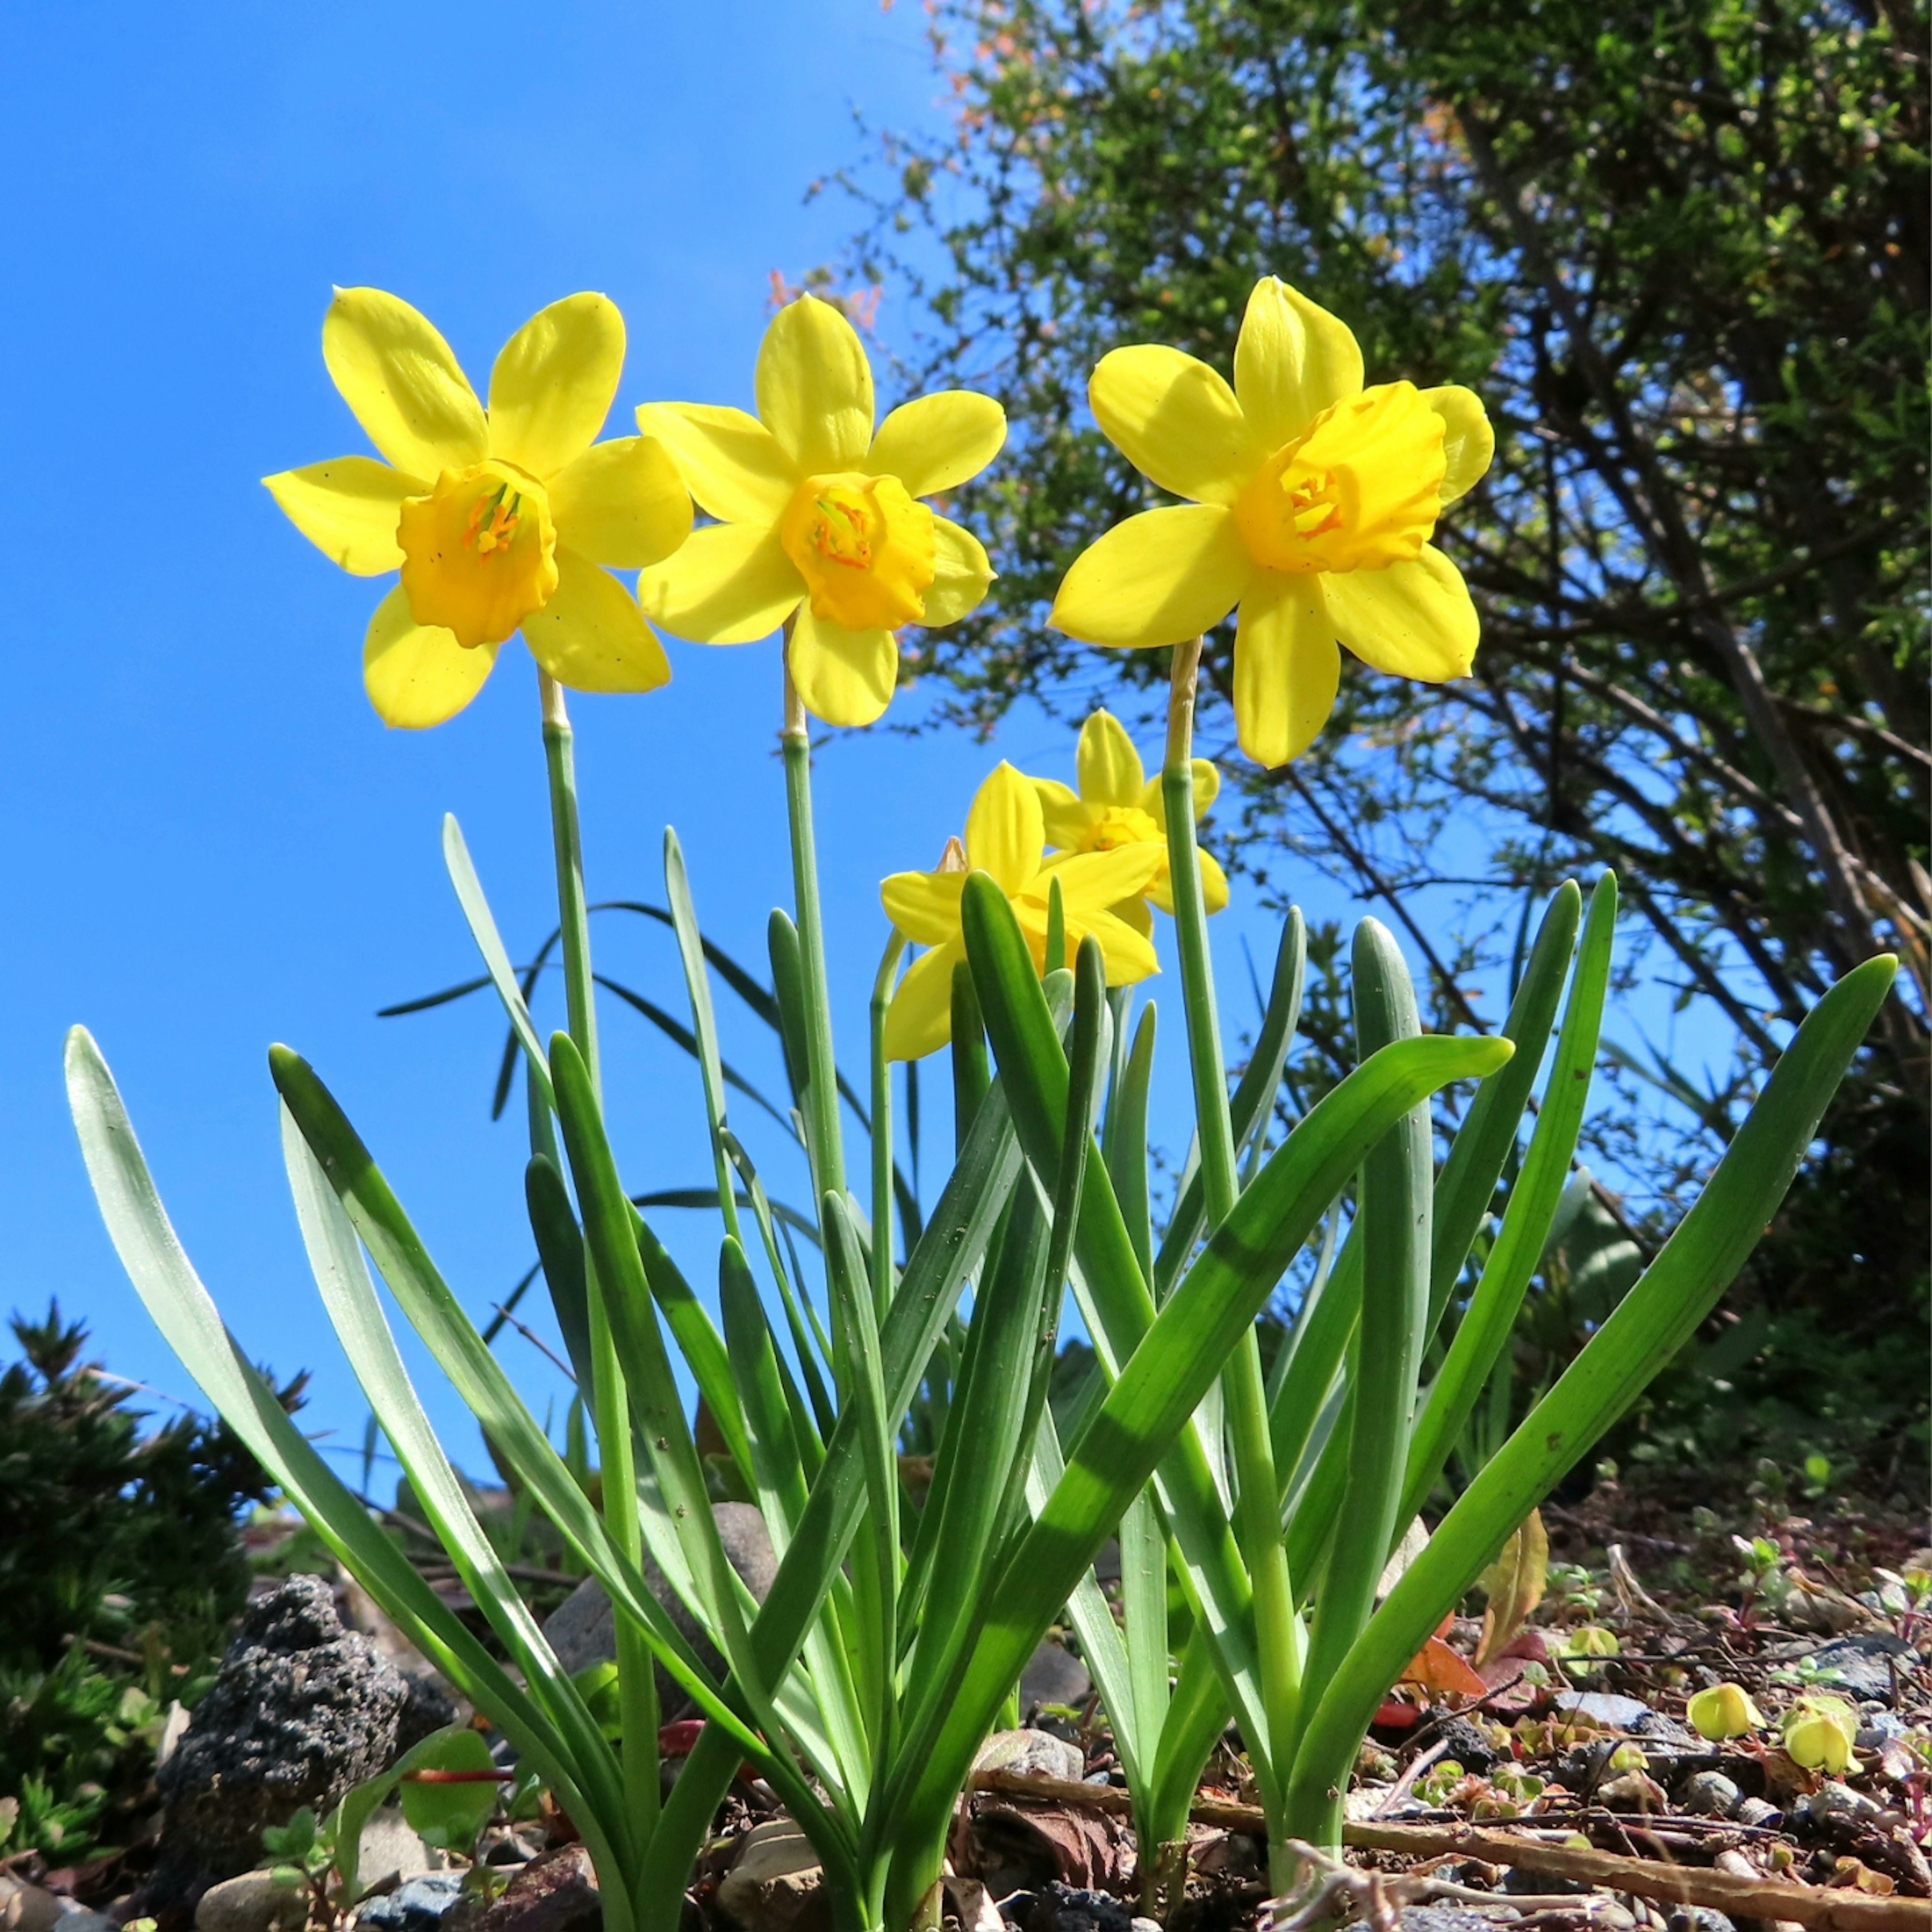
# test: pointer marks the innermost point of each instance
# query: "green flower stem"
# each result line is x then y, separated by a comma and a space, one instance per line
828, 1152
882, 1128
636, 1681
1278, 1630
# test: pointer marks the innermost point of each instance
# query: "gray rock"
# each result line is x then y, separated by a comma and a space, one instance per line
1444, 1918
776, 1883
1711, 1795
24, 1907
418, 1904
1031, 1754
300, 1710
1628, 1714
1699, 1918
1863, 1666
388, 1848
583, 1629
254, 1902
1054, 1676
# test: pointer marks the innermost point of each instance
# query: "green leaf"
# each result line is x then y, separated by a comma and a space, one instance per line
1484, 1330
180, 1306
1162, 1384
482, 924
449, 1816
1658, 1316
560, 1254
1397, 1190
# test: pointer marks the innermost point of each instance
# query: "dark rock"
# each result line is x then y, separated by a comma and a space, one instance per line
302, 1711
1054, 1676
1065, 1908
428, 1708
1464, 1742
1699, 1918
556, 1893
1863, 1666
417, 1905
583, 1629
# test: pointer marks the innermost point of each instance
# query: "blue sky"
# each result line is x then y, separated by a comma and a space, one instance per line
212, 843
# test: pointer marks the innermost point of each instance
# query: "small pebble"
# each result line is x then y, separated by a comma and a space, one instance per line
1711, 1795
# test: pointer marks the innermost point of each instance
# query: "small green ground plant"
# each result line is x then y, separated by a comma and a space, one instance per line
897, 1627
122, 1567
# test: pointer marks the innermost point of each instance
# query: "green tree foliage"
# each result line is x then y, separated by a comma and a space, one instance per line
120, 1565
1682, 251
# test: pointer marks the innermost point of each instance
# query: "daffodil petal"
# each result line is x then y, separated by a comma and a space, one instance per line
815, 387
407, 390
1213, 887
1468, 442
622, 504
843, 677
919, 1020
924, 906
730, 583
936, 442
1292, 360
1005, 835
1092, 881
1176, 421
1287, 669
1159, 578
1129, 953
730, 461
1064, 818
1207, 790
555, 381
591, 636
1411, 619
417, 675
961, 574
348, 509
1110, 769
1135, 913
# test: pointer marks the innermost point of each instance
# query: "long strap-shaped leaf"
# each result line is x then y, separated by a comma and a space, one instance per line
183, 1310
1162, 1384
335, 1259
949, 1248
1657, 1316
1484, 1330
435, 1314
1114, 1294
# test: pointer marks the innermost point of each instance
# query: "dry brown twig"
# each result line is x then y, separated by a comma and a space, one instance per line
1379, 1896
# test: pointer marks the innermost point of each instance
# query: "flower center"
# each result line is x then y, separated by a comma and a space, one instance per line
864, 548
479, 552
1361, 490
1123, 825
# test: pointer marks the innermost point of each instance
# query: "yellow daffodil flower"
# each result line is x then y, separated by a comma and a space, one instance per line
500, 520
818, 516
1313, 500
1118, 804
1006, 838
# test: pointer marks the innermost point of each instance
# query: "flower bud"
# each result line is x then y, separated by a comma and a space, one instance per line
1820, 1733
1724, 1711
